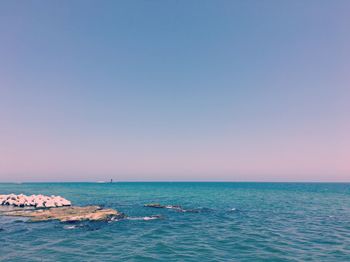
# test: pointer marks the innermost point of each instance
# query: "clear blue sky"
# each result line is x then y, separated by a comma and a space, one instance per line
175, 90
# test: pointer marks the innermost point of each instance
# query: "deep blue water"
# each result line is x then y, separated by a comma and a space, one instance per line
236, 222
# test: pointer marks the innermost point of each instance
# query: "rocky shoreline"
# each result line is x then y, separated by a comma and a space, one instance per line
66, 214
44, 208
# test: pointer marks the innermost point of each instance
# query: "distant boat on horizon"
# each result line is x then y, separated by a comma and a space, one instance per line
101, 181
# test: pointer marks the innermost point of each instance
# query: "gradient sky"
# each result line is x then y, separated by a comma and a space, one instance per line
175, 90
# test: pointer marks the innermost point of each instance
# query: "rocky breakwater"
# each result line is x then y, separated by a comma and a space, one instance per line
44, 208
37, 201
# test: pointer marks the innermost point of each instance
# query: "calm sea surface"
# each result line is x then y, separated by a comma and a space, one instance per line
235, 222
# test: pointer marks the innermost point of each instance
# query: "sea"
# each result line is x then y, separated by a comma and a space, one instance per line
218, 221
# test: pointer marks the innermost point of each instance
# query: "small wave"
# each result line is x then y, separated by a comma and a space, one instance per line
70, 227
233, 210
115, 219
178, 208
146, 218
189, 210
150, 218
196, 210
86, 225
173, 207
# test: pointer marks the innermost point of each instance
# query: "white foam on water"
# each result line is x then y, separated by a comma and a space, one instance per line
146, 218
70, 227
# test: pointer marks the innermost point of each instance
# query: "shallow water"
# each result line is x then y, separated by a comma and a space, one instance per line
234, 222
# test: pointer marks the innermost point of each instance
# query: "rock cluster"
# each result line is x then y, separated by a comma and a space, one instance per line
45, 208
38, 201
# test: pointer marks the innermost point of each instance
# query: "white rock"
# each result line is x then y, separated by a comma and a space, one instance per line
50, 203
12, 197
39, 204
10, 201
39, 201
65, 202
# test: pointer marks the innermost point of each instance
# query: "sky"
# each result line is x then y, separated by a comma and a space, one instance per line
175, 90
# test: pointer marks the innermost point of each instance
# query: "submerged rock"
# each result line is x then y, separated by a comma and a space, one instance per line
67, 214
157, 205
177, 208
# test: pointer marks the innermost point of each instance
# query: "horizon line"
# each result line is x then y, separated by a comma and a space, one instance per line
171, 181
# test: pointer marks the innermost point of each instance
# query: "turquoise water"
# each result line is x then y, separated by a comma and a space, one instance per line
235, 222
